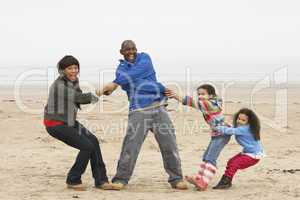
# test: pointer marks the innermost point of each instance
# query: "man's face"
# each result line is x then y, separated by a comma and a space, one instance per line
129, 51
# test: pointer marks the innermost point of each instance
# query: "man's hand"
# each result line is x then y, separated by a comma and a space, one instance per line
107, 93
99, 92
170, 93
107, 89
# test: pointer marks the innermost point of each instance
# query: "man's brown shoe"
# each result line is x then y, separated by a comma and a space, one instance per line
118, 186
181, 185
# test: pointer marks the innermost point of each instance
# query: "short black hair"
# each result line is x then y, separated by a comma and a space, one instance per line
126, 43
253, 120
67, 61
209, 88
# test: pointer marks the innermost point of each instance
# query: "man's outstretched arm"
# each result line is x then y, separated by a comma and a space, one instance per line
107, 89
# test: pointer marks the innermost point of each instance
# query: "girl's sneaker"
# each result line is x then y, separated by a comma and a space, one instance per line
197, 182
224, 183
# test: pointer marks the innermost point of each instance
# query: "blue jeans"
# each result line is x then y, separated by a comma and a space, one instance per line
214, 148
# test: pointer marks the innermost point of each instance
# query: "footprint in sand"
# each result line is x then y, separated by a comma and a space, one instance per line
290, 171
8, 100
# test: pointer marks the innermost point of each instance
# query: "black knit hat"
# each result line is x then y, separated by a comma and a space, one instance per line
67, 61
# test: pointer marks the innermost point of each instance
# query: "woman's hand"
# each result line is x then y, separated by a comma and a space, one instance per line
95, 99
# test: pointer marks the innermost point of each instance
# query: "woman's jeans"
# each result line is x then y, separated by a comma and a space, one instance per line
79, 137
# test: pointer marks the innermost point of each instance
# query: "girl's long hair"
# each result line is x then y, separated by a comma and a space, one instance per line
253, 120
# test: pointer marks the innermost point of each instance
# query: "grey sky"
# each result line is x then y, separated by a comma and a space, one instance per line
233, 36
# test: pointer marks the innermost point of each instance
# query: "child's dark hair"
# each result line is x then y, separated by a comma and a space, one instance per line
67, 61
209, 88
253, 121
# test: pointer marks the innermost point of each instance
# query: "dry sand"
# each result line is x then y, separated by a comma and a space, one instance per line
33, 165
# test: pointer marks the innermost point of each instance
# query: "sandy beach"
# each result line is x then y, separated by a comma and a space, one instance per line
34, 165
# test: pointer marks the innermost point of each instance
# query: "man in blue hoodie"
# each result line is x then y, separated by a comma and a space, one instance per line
136, 76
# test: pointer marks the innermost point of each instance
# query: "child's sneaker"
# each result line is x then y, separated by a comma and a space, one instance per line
197, 182
224, 183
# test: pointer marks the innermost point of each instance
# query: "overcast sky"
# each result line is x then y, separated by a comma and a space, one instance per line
233, 36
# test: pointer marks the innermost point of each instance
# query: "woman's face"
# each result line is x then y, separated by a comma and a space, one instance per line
72, 72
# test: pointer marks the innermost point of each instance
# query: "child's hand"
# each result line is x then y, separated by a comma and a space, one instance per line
215, 131
215, 134
228, 124
170, 93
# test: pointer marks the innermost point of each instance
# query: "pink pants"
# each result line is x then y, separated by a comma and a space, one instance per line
239, 161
